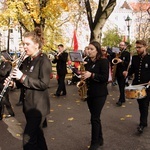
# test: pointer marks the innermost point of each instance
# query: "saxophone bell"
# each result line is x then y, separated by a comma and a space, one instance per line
115, 61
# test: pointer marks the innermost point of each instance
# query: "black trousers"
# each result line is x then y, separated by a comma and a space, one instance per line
95, 105
121, 84
61, 84
33, 137
143, 108
5, 102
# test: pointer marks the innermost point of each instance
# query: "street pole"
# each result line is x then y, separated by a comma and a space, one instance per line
128, 23
128, 34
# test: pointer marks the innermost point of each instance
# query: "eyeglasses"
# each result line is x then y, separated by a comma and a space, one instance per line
139, 47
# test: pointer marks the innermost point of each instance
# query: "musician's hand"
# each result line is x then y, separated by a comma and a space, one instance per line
11, 83
120, 60
17, 74
125, 73
85, 62
56, 57
86, 75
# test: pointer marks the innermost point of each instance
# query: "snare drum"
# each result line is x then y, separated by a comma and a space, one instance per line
135, 92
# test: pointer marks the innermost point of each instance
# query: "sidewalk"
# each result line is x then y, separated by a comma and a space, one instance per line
69, 123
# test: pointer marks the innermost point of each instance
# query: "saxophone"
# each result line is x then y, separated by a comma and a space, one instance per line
17, 63
115, 62
81, 85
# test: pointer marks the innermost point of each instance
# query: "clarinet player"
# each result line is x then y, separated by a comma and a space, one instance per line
5, 69
96, 76
33, 77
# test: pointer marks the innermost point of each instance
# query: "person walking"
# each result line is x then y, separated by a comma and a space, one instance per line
61, 67
96, 77
140, 67
34, 77
5, 69
122, 65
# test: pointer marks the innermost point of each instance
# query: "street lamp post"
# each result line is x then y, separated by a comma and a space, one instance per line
128, 23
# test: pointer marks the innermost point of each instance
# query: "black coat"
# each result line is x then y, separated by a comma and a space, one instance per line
61, 66
140, 67
35, 86
5, 68
123, 66
97, 83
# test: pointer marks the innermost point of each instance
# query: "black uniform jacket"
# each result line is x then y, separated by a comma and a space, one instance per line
36, 94
97, 83
140, 67
61, 63
123, 66
5, 68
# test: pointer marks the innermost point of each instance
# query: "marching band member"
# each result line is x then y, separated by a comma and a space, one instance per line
122, 65
61, 67
96, 76
140, 67
5, 69
34, 78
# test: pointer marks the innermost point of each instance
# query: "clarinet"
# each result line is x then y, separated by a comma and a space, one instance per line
15, 64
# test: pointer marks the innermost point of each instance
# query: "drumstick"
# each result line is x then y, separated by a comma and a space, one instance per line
141, 84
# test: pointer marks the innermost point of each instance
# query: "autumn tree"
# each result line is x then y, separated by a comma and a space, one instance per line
142, 21
29, 14
97, 20
112, 37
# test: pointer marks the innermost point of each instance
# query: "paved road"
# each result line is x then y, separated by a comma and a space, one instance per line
69, 123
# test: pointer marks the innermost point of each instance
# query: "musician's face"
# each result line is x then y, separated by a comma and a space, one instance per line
60, 48
92, 51
104, 51
122, 46
141, 49
86, 51
30, 46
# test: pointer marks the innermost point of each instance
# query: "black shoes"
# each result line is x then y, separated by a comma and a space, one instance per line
94, 147
63, 94
19, 104
140, 128
57, 95
119, 103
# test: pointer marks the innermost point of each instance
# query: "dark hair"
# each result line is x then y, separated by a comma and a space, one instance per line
142, 42
98, 48
5, 54
36, 36
61, 45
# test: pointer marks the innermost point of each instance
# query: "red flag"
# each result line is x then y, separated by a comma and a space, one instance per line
75, 41
75, 47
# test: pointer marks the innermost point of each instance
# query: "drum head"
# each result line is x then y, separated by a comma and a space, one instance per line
135, 92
